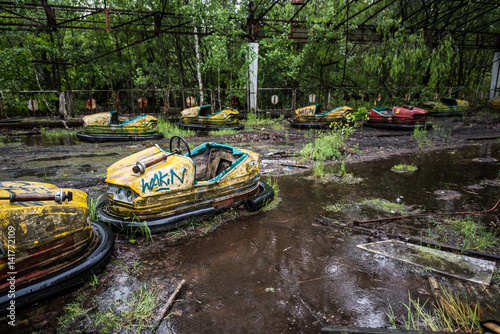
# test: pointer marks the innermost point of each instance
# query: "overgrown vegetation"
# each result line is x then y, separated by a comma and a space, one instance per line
57, 132
93, 203
464, 231
264, 120
133, 314
171, 129
224, 132
449, 315
73, 312
385, 205
273, 183
329, 145
336, 207
423, 138
416, 52
403, 168
142, 230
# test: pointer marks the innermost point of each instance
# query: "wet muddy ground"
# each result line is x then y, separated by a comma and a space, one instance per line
288, 268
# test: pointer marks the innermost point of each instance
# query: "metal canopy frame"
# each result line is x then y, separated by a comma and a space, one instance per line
436, 17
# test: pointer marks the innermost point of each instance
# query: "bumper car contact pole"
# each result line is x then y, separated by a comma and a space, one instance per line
140, 167
58, 197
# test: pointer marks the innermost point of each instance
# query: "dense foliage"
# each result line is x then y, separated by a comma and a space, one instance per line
413, 44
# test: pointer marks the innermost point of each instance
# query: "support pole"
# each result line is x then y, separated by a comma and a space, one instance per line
495, 76
253, 71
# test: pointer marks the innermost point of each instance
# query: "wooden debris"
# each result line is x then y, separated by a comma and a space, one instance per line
164, 309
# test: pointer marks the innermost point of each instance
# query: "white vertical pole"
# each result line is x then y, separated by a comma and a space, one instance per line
253, 75
495, 76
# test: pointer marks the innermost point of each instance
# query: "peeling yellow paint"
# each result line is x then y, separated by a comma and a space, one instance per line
177, 183
100, 124
40, 222
315, 114
225, 117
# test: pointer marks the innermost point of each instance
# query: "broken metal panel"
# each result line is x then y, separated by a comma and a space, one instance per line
455, 265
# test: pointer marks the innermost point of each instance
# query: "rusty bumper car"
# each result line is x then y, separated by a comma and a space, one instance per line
48, 243
202, 118
109, 126
494, 103
313, 117
398, 118
446, 106
163, 189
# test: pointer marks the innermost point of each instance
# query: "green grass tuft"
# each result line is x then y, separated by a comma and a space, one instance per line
171, 129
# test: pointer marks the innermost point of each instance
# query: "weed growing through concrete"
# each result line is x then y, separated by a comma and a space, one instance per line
211, 224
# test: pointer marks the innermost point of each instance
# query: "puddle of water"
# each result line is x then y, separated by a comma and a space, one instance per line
280, 271
123, 286
448, 171
41, 140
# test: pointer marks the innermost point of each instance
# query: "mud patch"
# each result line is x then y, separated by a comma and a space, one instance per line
255, 137
447, 195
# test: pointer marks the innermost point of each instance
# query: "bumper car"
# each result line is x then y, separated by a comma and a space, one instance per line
397, 118
446, 107
163, 189
47, 242
313, 117
494, 103
202, 118
108, 126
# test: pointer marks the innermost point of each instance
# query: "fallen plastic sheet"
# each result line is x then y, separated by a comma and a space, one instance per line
460, 266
